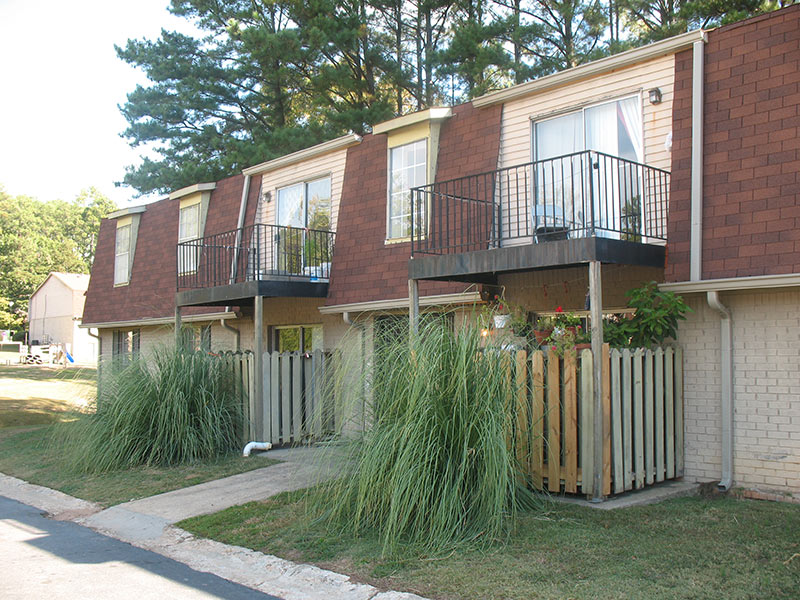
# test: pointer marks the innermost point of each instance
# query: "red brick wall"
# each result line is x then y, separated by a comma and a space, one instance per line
751, 188
365, 268
151, 291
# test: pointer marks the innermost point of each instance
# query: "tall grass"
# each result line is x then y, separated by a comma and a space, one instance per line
174, 407
433, 468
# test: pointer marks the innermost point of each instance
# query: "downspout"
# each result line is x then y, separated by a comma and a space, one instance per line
99, 339
235, 262
696, 231
726, 388
363, 329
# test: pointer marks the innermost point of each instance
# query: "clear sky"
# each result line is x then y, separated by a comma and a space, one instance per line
60, 85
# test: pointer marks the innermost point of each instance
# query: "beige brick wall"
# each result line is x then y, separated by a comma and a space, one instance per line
766, 341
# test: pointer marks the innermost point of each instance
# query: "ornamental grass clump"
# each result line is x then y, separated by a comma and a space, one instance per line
432, 468
175, 407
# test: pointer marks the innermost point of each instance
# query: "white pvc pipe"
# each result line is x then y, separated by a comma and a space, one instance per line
256, 446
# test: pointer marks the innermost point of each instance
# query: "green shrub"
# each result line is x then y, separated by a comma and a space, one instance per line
433, 468
655, 318
176, 407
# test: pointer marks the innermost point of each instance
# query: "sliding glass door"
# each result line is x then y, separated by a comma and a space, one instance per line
602, 195
305, 209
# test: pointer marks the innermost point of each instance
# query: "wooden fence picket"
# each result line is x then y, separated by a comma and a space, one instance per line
638, 417
554, 424
627, 421
537, 419
649, 417
616, 423
523, 428
658, 356
669, 408
587, 423
570, 425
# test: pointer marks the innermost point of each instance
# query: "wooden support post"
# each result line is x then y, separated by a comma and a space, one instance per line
178, 328
413, 305
257, 419
596, 305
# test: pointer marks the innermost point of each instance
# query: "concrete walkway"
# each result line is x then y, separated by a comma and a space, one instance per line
149, 524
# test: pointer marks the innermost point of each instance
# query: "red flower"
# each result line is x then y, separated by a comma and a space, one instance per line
559, 309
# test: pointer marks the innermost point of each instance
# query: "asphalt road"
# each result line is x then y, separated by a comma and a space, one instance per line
44, 558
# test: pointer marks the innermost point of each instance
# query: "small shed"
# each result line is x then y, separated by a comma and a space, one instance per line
55, 312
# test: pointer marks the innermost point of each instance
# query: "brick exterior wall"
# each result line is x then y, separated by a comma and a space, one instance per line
766, 349
751, 211
365, 267
151, 291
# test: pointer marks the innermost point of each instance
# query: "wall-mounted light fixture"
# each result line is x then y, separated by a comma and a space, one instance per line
655, 96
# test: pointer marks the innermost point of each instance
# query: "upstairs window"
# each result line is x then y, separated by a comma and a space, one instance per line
122, 254
188, 231
408, 168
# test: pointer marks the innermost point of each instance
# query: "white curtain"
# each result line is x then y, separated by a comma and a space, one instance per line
630, 116
557, 182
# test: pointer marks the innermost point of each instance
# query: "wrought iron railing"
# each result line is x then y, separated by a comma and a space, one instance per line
583, 194
257, 252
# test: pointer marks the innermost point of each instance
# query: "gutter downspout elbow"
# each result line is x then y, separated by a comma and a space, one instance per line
237, 335
726, 387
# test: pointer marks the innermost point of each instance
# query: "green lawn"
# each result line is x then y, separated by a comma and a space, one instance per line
684, 548
26, 453
33, 396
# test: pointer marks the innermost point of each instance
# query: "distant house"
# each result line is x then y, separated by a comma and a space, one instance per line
55, 312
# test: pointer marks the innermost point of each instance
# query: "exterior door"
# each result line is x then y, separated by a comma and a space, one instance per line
304, 219
602, 195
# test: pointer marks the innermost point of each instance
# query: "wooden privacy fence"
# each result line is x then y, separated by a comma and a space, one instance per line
642, 392
293, 410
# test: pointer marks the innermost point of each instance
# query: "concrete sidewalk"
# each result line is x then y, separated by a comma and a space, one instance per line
149, 523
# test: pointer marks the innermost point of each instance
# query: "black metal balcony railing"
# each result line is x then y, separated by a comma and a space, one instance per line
257, 252
583, 194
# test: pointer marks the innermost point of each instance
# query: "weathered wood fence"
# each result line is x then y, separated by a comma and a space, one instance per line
642, 392
553, 436
293, 410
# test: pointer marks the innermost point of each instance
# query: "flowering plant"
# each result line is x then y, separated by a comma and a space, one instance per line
564, 320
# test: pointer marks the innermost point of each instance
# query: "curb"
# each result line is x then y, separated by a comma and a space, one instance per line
256, 570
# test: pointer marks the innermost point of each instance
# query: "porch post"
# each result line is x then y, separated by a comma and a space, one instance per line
413, 305
257, 418
178, 327
596, 305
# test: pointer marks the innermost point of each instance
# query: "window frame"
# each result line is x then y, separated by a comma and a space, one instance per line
131, 340
126, 253
193, 256
389, 193
303, 327
582, 110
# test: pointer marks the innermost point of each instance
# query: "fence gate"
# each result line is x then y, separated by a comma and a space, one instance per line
642, 418
293, 390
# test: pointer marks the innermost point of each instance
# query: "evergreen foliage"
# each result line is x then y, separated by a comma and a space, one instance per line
264, 79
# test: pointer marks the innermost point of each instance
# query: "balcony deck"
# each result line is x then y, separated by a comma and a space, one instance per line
232, 268
564, 211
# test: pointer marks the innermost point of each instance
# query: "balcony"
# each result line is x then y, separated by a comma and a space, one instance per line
259, 260
561, 211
